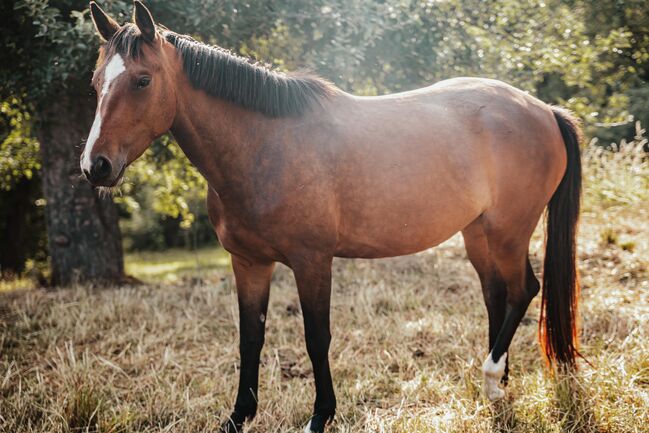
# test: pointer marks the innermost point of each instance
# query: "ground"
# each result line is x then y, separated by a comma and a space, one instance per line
409, 337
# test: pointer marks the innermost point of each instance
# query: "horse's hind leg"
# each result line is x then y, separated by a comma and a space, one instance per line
494, 288
508, 247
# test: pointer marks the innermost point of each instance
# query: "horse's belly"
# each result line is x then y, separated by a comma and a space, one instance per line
402, 233
364, 250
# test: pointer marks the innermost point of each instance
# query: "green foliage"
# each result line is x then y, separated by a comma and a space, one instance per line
18, 149
175, 182
45, 48
163, 200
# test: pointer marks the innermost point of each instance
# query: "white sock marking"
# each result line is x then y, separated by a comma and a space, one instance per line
113, 69
493, 372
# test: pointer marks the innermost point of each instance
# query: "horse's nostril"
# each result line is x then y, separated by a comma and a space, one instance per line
101, 168
86, 173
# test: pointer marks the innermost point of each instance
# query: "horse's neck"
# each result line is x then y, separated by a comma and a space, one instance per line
218, 137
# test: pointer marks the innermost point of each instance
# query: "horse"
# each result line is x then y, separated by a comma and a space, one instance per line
300, 172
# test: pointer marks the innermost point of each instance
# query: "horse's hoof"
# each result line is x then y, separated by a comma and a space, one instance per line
495, 394
493, 373
231, 426
317, 423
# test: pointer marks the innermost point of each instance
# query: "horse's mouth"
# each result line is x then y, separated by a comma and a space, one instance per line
107, 183
119, 177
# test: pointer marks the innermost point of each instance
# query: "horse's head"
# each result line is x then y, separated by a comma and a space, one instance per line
136, 97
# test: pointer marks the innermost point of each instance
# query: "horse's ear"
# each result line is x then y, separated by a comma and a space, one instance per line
105, 25
143, 20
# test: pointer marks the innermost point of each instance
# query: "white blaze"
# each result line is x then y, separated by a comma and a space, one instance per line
493, 372
113, 69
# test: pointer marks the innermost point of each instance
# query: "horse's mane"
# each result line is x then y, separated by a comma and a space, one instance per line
225, 75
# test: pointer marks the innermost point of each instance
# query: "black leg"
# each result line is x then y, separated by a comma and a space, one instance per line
313, 278
494, 291
253, 284
521, 289
516, 308
494, 288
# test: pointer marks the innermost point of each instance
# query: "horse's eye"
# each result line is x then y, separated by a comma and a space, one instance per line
142, 82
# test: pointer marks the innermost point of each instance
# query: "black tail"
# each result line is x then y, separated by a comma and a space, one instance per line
558, 322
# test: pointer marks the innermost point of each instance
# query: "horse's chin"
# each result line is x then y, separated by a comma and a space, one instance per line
109, 185
109, 191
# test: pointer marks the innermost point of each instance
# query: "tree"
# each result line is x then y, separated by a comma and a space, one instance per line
83, 231
48, 47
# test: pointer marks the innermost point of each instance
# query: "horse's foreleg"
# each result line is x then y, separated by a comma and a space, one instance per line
313, 278
253, 285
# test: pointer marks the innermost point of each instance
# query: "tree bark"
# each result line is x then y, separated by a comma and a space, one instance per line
84, 239
21, 226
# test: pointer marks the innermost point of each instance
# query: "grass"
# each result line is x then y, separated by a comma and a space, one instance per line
409, 336
176, 265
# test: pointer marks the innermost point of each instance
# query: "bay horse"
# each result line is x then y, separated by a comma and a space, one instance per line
300, 172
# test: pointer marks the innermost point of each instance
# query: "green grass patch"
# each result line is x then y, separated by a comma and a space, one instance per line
176, 264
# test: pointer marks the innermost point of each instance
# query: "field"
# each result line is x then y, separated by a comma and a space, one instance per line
409, 337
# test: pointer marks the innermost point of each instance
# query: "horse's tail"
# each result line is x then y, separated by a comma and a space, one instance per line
558, 322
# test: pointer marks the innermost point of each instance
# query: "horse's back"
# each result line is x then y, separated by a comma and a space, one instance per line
417, 167
485, 122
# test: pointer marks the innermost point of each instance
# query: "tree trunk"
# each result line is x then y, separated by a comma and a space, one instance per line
21, 228
85, 242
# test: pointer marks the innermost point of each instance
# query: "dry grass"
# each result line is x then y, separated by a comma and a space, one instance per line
409, 339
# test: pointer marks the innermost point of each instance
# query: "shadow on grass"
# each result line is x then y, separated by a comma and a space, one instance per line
504, 417
573, 405
570, 405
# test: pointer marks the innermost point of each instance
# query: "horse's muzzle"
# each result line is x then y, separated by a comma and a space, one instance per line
101, 172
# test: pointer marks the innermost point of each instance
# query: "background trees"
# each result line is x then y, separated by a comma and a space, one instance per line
46, 53
592, 56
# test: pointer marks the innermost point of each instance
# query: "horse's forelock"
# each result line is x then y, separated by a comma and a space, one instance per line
127, 41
